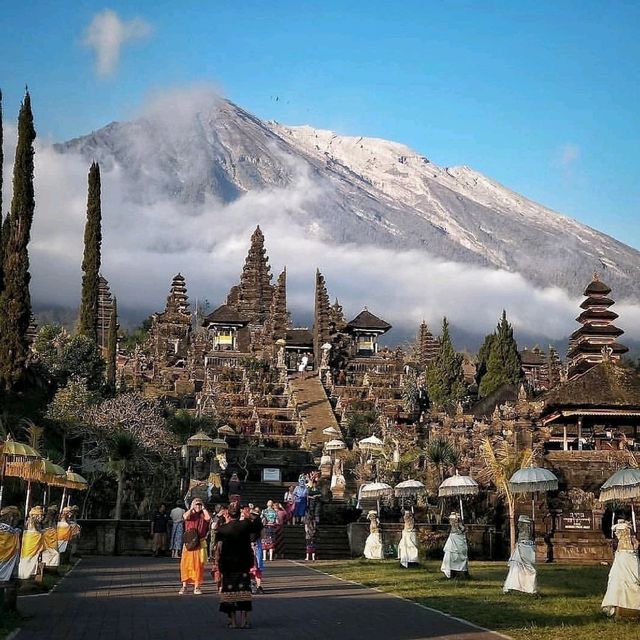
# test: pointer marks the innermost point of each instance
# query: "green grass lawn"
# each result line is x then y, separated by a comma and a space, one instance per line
568, 607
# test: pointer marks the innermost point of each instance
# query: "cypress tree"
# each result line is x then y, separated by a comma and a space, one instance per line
88, 320
445, 378
1, 169
504, 364
112, 343
15, 300
483, 357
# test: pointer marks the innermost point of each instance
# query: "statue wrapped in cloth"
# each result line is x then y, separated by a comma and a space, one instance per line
32, 544
51, 552
9, 542
522, 563
408, 547
456, 553
373, 544
623, 588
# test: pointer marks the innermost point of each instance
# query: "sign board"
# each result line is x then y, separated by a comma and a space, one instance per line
271, 475
576, 520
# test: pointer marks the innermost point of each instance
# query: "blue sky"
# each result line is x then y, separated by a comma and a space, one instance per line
542, 97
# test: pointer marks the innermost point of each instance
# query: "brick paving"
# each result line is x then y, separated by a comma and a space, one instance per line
136, 598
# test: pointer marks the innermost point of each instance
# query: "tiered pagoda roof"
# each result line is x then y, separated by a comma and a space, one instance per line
426, 346
177, 307
105, 307
366, 321
596, 339
321, 316
225, 315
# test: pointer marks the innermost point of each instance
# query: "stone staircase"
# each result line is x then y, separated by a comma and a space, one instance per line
314, 408
332, 542
259, 493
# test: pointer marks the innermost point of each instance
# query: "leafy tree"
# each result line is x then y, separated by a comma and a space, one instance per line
501, 460
15, 300
504, 364
442, 453
445, 378
63, 357
138, 336
88, 320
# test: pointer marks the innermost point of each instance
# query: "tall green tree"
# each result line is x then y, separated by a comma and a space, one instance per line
445, 378
112, 343
483, 357
1, 215
88, 320
504, 365
15, 300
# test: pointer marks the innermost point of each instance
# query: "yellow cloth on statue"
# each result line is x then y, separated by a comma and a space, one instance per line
8, 545
50, 538
32, 543
63, 532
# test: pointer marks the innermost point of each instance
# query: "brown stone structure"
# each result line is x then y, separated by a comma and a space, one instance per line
105, 307
426, 346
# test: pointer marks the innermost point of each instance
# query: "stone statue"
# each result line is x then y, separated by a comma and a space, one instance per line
373, 544
408, 547
338, 481
9, 542
32, 544
623, 588
50, 553
522, 574
456, 553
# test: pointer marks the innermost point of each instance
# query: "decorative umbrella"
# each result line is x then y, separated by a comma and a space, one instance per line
219, 443
372, 443
375, 490
408, 488
335, 445
332, 432
52, 475
458, 486
202, 440
226, 430
19, 460
622, 485
73, 481
532, 480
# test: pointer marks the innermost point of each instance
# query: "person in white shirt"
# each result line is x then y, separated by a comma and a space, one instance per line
177, 529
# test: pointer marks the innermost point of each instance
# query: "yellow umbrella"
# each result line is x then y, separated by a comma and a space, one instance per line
19, 460
73, 481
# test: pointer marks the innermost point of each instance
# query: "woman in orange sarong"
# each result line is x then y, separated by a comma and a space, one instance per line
192, 562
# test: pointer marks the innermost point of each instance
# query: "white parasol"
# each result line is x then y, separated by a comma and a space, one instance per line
332, 432
408, 488
458, 486
533, 480
375, 490
372, 443
335, 445
622, 485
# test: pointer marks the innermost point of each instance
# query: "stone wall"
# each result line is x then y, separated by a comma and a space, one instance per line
587, 470
115, 537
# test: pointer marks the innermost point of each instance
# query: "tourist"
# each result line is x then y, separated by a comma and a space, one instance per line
270, 522
234, 488
310, 533
623, 587
194, 551
290, 502
177, 529
256, 546
159, 527
302, 366
282, 514
300, 494
235, 562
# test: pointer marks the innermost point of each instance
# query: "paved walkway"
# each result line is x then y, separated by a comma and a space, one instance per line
132, 598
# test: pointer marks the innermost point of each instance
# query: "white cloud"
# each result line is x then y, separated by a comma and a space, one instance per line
568, 155
107, 33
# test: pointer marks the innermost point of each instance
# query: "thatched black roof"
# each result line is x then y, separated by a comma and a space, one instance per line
597, 287
486, 406
606, 384
366, 320
225, 315
299, 338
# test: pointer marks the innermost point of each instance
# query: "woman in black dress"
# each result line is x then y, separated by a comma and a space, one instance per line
234, 564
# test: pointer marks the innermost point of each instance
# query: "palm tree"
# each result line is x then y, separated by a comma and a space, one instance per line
501, 460
123, 453
442, 453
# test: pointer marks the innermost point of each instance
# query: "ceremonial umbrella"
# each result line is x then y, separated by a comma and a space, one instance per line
532, 480
375, 490
407, 489
332, 432
202, 440
335, 445
219, 443
52, 475
622, 485
459, 486
372, 443
73, 481
226, 430
19, 460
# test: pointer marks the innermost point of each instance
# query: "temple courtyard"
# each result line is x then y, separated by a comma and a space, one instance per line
109, 598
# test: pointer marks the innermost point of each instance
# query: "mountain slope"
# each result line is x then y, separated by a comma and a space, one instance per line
373, 192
